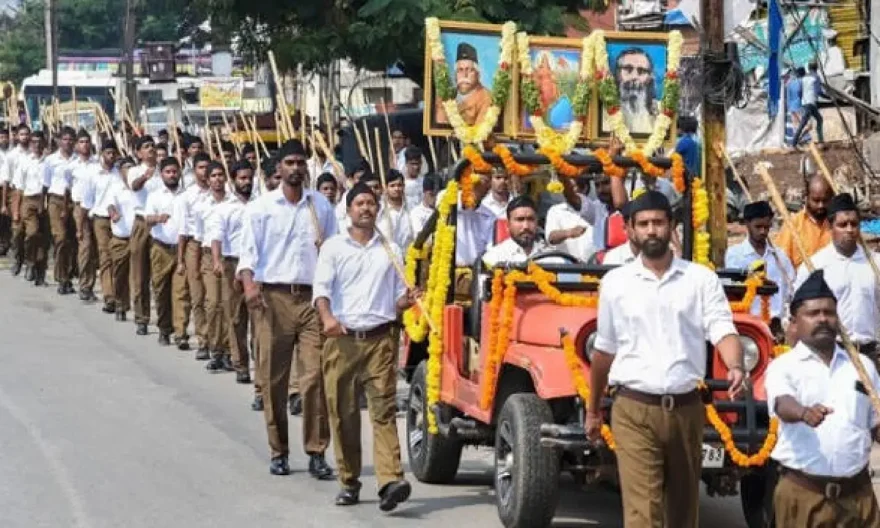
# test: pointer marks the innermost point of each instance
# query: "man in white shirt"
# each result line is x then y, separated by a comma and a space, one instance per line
194, 147
162, 214
626, 252
223, 230
413, 176
33, 186
499, 195
356, 271
121, 210
826, 421
212, 275
58, 184
87, 256
400, 142
758, 217
327, 185
142, 180
421, 213
15, 161
189, 253
655, 316
279, 252
523, 244
97, 197
394, 222
848, 272
567, 229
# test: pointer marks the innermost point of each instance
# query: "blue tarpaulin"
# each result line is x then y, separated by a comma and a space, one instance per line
774, 30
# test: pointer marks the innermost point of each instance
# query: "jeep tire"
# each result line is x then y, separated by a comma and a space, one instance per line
433, 458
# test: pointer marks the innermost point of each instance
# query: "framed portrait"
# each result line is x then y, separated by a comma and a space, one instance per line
472, 55
637, 61
556, 64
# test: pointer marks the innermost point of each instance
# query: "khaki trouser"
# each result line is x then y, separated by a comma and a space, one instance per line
168, 289
119, 271
352, 366
59, 226
659, 459
16, 212
139, 270
36, 235
799, 507
289, 320
196, 291
293, 384
103, 235
87, 255
236, 315
218, 330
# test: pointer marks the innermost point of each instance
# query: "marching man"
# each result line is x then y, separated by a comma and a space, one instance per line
655, 316
355, 271
826, 421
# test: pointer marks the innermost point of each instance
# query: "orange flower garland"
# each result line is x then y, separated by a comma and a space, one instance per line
510, 165
752, 284
608, 167
562, 167
480, 165
498, 347
493, 358
468, 199
542, 280
738, 457
678, 169
778, 350
645, 164
580, 384
765, 309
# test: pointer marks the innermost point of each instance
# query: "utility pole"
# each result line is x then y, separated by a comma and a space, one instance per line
52, 44
715, 132
130, 92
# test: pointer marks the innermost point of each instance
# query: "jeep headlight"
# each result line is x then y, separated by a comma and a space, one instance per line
751, 352
588, 347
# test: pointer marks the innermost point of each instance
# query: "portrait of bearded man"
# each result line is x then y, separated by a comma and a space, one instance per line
634, 75
473, 98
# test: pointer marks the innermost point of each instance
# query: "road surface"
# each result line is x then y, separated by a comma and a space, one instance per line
101, 428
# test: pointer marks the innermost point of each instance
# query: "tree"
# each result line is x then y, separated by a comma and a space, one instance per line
372, 34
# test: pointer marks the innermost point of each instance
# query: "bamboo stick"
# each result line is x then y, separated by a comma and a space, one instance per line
433, 154
75, 109
369, 146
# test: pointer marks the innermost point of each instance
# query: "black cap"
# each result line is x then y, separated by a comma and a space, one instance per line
466, 52
108, 144
814, 287
358, 189
291, 147
760, 209
840, 203
650, 201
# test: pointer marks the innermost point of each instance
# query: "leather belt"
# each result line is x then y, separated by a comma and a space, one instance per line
164, 245
378, 331
230, 259
294, 289
829, 487
667, 401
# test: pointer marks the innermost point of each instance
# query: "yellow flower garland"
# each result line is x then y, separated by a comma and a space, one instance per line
700, 215
580, 384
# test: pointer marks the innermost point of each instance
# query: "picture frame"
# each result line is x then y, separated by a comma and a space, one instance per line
478, 47
560, 58
638, 63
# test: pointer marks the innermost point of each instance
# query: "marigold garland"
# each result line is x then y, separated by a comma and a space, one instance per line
562, 167
739, 458
480, 165
700, 215
501, 313
765, 309
608, 166
752, 283
678, 170
468, 179
580, 383
510, 165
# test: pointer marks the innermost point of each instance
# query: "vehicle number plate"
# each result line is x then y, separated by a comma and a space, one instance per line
713, 456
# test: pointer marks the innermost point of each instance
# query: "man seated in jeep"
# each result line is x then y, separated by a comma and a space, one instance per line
524, 242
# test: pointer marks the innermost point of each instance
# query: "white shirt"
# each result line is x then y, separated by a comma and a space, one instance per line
622, 254
154, 183
779, 270
809, 89
4, 171
497, 207
341, 213
33, 173
58, 175
165, 201
226, 226
14, 159
419, 216
564, 216
316, 170
401, 162
413, 191
657, 328
193, 198
208, 212
394, 224
98, 190
79, 174
278, 238
359, 281
474, 232
841, 445
596, 213
853, 283
511, 252
124, 201
189, 176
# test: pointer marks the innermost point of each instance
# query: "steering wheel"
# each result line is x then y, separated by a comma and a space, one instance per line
571, 259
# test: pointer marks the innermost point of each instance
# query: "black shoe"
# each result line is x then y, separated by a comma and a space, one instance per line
109, 308
319, 468
69, 289
203, 354
40, 279
243, 377
227, 363
61, 289
348, 497
182, 343
296, 404
120, 316
215, 366
164, 339
87, 296
393, 494
29, 273
141, 329
15, 269
257, 404
279, 466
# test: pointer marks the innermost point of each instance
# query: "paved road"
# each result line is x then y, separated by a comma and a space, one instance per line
100, 428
